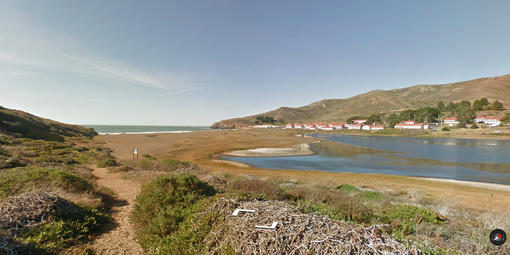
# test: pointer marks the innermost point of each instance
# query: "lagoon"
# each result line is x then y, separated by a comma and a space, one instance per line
480, 160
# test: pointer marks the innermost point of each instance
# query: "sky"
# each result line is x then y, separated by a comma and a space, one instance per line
196, 62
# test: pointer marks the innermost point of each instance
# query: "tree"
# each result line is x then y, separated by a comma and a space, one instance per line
484, 101
407, 115
265, 120
451, 107
349, 120
464, 113
506, 119
497, 105
477, 105
441, 107
375, 118
392, 119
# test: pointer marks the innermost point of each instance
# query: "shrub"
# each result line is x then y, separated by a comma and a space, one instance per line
404, 218
163, 204
338, 206
445, 129
347, 188
148, 156
257, 187
66, 230
19, 180
173, 164
107, 162
370, 196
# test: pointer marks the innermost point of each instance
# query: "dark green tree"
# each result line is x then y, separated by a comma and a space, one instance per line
497, 105
477, 105
407, 115
392, 119
441, 107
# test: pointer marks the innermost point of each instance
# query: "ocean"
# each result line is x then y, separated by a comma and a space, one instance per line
121, 129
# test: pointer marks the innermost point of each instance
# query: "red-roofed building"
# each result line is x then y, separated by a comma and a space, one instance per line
451, 121
353, 126
359, 121
491, 121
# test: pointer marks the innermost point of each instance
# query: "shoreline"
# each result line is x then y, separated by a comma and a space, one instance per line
296, 150
486, 185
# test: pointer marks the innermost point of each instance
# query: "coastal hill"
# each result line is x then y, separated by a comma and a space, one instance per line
21, 124
383, 101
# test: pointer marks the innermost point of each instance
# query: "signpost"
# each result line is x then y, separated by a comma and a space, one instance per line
135, 153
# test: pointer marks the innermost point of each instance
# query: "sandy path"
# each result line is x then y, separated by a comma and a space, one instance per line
121, 239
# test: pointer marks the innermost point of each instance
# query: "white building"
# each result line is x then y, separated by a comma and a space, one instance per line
359, 121
309, 126
298, 125
489, 120
265, 126
288, 126
403, 125
326, 128
372, 127
353, 126
452, 121
337, 126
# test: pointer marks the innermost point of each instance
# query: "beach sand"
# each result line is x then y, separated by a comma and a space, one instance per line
296, 150
202, 148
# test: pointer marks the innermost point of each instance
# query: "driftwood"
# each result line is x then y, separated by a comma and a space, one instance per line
296, 232
31, 210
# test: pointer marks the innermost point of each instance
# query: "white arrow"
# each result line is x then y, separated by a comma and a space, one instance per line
236, 211
273, 226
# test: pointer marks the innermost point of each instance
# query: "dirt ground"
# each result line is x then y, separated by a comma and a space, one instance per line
201, 148
121, 238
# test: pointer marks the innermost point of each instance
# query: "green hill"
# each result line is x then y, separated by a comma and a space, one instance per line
21, 124
377, 101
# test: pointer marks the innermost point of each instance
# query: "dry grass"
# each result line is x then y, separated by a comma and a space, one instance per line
201, 147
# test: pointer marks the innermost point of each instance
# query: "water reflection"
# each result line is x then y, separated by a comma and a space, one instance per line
463, 159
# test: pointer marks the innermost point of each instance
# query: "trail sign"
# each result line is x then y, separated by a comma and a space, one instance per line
135, 152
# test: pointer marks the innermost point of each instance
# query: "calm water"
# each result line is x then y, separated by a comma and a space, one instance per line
118, 129
461, 159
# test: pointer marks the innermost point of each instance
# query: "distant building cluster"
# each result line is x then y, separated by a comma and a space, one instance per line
488, 121
354, 125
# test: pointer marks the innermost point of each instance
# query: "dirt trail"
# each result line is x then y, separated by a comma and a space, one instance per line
121, 239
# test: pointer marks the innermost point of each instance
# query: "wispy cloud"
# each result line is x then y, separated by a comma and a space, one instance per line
25, 52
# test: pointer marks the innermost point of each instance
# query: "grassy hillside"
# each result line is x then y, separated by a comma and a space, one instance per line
493, 88
22, 124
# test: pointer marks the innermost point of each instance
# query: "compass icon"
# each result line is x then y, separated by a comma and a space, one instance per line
497, 237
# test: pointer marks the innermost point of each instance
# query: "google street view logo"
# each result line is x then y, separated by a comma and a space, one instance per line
497, 237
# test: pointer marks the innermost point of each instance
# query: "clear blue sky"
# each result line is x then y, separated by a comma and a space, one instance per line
196, 62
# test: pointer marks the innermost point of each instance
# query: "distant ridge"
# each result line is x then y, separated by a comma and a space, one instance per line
493, 88
21, 124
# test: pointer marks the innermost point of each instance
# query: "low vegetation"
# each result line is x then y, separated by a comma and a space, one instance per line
164, 210
31, 167
173, 213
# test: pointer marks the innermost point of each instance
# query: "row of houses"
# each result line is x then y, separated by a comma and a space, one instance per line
355, 125
490, 121
362, 124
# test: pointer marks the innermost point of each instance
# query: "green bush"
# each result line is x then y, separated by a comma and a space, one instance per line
257, 189
173, 164
337, 205
369, 196
107, 162
65, 231
19, 180
347, 188
445, 129
404, 218
163, 204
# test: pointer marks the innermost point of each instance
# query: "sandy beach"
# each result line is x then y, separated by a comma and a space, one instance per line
296, 150
201, 148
